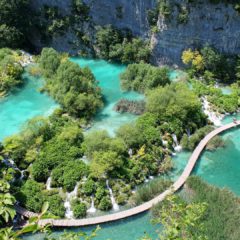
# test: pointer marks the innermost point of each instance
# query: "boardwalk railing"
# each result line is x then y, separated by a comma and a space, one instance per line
143, 207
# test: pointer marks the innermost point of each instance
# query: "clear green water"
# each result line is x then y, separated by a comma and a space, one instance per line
222, 167
226, 90
24, 104
107, 74
129, 229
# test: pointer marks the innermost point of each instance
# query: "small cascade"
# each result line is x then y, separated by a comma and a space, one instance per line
67, 203
69, 212
48, 183
212, 116
22, 175
164, 142
130, 152
10, 163
177, 147
92, 209
114, 204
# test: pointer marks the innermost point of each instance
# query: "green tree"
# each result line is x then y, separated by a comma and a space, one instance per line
106, 164
142, 77
15, 28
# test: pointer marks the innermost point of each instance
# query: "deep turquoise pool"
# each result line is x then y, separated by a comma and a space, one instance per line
22, 105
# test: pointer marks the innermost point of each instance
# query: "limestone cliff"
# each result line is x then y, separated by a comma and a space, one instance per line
215, 24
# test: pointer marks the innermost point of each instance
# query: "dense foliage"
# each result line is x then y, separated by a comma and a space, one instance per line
150, 190
220, 102
120, 46
180, 220
13, 26
177, 107
221, 220
210, 64
73, 87
191, 142
142, 77
10, 70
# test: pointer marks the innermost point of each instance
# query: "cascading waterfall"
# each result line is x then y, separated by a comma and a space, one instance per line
67, 203
212, 116
114, 204
92, 209
48, 183
10, 163
177, 147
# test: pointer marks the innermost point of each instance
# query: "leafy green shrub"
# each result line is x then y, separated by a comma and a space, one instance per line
56, 205
222, 204
148, 191
142, 77
10, 71
120, 46
191, 142
105, 204
79, 209
31, 196
73, 87
215, 143
68, 174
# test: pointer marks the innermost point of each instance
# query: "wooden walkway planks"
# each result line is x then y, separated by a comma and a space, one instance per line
143, 207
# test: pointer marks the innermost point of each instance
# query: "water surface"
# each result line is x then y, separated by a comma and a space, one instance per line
23, 104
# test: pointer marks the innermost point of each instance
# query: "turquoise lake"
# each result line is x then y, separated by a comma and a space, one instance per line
221, 167
23, 104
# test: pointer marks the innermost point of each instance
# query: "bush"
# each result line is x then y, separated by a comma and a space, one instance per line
31, 196
56, 205
10, 71
73, 87
68, 174
142, 77
215, 143
105, 204
191, 142
79, 209
120, 46
222, 205
150, 190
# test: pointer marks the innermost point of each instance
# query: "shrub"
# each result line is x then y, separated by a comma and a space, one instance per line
105, 204
148, 191
79, 209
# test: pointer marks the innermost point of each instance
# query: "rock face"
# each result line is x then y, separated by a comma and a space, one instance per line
215, 24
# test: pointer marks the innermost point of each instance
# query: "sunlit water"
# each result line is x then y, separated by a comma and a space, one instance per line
23, 104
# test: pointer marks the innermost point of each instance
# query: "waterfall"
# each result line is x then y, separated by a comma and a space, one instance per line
92, 209
48, 183
69, 212
22, 175
114, 204
177, 147
164, 142
212, 116
67, 203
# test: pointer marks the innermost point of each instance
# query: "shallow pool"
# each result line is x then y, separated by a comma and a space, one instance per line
23, 104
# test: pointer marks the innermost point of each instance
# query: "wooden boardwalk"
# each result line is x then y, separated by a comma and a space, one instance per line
145, 206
